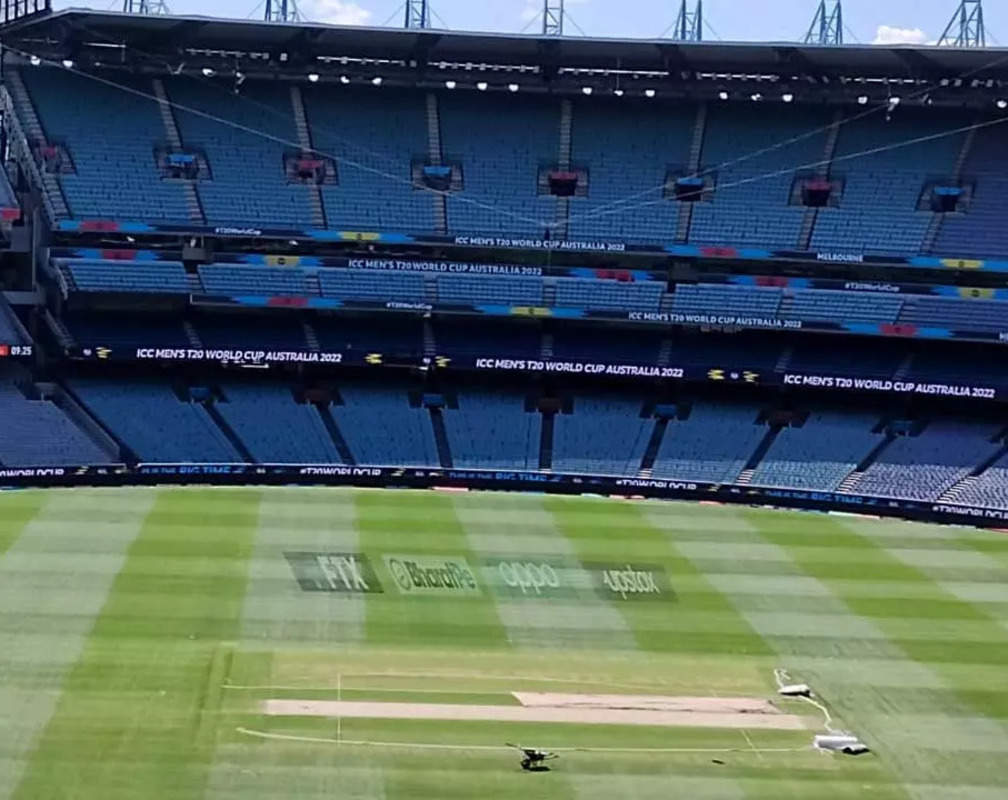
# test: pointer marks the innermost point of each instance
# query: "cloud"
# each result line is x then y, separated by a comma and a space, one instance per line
890, 34
335, 12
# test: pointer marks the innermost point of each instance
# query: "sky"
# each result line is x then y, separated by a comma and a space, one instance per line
865, 21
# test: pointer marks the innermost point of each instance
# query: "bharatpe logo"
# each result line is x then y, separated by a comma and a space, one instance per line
631, 582
432, 575
344, 573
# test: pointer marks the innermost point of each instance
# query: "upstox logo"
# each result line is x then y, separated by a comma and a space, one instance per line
432, 575
631, 582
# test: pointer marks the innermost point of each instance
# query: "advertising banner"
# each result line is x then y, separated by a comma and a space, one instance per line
889, 386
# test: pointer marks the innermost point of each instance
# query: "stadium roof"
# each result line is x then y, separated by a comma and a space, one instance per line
71, 32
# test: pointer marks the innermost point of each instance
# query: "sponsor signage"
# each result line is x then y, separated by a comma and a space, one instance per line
885, 385
432, 575
532, 577
343, 573
619, 582
237, 356
540, 244
577, 367
401, 265
561, 483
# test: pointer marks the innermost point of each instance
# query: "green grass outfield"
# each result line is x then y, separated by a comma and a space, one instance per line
141, 631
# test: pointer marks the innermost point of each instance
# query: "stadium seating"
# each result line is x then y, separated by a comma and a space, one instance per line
375, 134
126, 276
820, 453
627, 167
608, 295
234, 279
980, 231
381, 428
744, 147
492, 430
38, 434
827, 305
726, 299
878, 211
114, 172
989, 489
712, 445
348, 284
922, 467
151, 420
500, 141
956, 314
490, 289
604, 435
273, 427
248, 184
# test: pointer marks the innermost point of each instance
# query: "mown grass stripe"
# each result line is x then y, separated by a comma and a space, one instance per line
16, 510
891, 725
276, 608
421, 524
53, 583
698, 620
138, 712
518, 529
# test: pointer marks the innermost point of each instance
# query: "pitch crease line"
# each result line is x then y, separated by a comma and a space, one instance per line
500, 748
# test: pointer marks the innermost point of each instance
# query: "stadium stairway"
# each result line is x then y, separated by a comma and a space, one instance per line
192, 334
822, 172
441, 438
965, 484
937, 220
193, 203
335, 433
849, 484
546, 440
25, 110
562, 216
436, 157
685, 212
311, 338
315, 199
229, 432
745, 476
651, 451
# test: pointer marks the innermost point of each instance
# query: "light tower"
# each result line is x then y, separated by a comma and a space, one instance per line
145, 7
689, 24
417, 14
553, 17
827, 24
282, 11
966, 28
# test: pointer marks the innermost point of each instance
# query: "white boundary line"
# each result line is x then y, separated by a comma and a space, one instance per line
500, 748
339, 699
